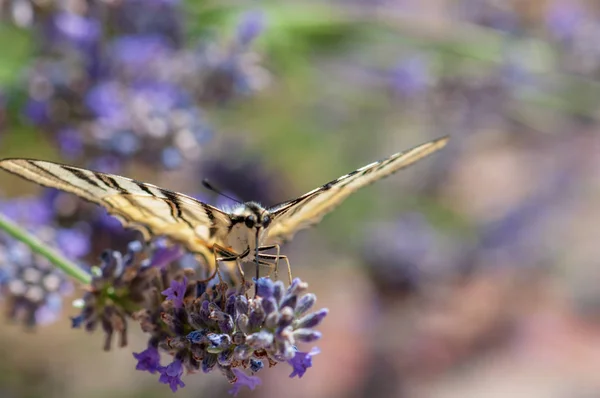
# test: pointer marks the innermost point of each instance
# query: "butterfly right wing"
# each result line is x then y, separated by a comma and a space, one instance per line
294, 215
152, 210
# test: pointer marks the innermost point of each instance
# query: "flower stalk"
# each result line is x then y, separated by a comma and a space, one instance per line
39, 247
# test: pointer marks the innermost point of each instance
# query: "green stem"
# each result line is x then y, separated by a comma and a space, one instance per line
68, 267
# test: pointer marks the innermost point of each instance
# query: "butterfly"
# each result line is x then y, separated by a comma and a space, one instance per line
243, 234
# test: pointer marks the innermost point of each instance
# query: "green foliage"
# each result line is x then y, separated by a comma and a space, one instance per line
17, 49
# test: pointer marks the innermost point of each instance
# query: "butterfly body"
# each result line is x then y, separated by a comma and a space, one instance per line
247, 229
242, 234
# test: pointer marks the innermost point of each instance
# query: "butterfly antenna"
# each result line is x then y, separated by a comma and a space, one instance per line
210, 187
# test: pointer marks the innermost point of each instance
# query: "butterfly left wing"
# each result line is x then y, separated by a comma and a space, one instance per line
308, 209
152, 210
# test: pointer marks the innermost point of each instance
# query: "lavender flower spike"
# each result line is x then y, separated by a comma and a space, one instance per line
224, 328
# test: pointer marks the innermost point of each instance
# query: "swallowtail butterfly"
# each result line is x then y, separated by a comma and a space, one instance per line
243, 234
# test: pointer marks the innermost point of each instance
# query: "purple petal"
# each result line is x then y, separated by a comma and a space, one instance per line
243, 380
251, 25
313, 320
171, 375
148, 360
302, 361
77, 28
73, 243
135, 52
564, 17
264, 287
70, 143
164, 256
176, 292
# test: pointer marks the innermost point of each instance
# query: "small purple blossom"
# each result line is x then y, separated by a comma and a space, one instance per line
73, 243
564, 17
244, 380
148, 360
302, 361
70, 142
171, 375
410, 76
176, 292
30, 211
264, 287
251, 25
50, 311
32, 288
165, 255
312, 320
136, 51
77, 28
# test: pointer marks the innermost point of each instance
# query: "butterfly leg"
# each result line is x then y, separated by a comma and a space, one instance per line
239, 266
265, 263
231, 256
287, 261
208, 264
226, 256
275, 258
265, 248
213, 274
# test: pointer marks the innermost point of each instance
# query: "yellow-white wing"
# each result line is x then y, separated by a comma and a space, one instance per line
152, 210
308, 209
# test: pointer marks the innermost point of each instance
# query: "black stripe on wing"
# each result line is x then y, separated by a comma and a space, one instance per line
291, 206
153, 210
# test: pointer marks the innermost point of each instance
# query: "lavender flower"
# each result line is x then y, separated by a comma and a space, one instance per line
176, 292
121, 286
77, 29
27, 211
138, 98
171, 375
250, 26
142, 17
302, 361
148, 360
223, 328
410, 76
72, 242
32, 287
242, 379
563, 18
146, 120
229, 72
165, 254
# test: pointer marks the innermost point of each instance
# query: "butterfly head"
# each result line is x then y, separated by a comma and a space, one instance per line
253, 215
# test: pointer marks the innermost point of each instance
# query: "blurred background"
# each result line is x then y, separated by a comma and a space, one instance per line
472, 274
